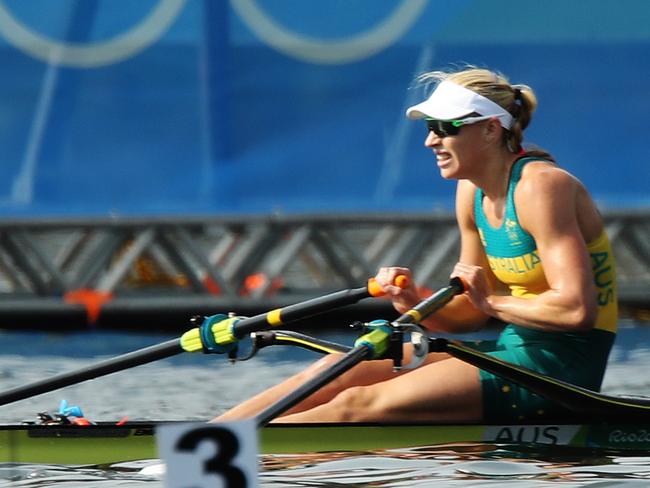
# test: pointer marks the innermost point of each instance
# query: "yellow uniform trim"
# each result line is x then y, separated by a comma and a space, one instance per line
604, 269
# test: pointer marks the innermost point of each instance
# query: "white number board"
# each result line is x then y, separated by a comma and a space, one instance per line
202, 455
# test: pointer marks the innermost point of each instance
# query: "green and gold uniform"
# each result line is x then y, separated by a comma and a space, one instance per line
575, 357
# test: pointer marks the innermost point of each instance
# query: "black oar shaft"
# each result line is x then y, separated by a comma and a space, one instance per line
274, 318
299, 311
348, 361
135, 358
431, 304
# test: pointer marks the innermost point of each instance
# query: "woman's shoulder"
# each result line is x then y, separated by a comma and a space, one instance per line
548, 194
539, 177
465, 194
465, 187
547, 189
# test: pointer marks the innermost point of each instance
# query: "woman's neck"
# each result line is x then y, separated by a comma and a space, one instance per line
495, 174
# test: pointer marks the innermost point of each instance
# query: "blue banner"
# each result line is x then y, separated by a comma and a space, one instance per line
259, 106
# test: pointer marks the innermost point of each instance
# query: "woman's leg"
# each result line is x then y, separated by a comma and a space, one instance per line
365, 373
443, 391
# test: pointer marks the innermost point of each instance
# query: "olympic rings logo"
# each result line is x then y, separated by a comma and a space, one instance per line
156, 23
312, 50
98, 54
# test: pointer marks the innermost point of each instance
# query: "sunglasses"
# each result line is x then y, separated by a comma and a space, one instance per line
444, 128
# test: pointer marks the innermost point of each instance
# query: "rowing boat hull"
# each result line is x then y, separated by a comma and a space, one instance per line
106, 444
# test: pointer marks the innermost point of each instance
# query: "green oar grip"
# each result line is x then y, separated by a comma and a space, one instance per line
377, 340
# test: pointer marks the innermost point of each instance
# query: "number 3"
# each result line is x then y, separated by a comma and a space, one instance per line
227, 447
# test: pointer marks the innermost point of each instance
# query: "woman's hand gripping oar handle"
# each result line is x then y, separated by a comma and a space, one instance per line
375, 289
220, 333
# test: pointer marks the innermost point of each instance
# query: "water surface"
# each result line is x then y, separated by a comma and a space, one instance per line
198, 386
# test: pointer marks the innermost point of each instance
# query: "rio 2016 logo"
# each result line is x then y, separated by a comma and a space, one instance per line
620, 436
160, 18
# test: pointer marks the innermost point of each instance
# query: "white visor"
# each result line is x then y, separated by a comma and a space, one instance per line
450, 101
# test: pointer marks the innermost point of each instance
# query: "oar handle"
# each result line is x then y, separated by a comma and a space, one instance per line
429, 305
375, 289
309, 308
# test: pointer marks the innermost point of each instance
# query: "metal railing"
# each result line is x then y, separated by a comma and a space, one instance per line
82, 269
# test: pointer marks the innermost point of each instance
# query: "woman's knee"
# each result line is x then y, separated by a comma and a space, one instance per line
356, 404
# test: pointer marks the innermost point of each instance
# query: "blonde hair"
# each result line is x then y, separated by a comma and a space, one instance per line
519, 100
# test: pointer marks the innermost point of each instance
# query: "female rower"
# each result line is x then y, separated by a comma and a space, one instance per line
534, 255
